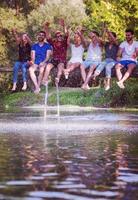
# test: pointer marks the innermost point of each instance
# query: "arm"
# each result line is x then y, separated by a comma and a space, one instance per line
119, 54
28, 39
84, 43
32, 57
68, 39
47, 30
99, 40
64, 27
48, 56
135, 54
17, 38
113, 38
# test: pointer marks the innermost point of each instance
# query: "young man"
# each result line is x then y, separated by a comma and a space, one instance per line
60, 45
40, 55
127, 54
93, 59
111, 49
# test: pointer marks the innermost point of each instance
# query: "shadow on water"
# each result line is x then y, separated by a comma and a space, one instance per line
79, 156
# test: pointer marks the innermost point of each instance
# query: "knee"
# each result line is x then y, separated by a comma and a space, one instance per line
41, 71
82, 67
92, 68
131, 68
24, 69
31, 69
60, 67
16, 65
49, 67
118, 67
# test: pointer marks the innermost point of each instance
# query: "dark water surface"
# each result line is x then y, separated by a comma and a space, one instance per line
78, 156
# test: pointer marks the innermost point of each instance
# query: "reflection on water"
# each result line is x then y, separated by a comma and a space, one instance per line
79, 157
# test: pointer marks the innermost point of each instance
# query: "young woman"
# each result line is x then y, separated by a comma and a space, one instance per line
24, 52
77, 50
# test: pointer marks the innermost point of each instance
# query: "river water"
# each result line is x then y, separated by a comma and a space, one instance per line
83, 154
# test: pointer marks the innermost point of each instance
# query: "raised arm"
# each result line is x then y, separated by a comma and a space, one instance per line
65, 30
80, 33
17, 37
114, 39
96, 35
28, 39
47, 30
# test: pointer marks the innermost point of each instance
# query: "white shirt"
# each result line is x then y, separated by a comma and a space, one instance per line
128, 50
76, 54
94, 53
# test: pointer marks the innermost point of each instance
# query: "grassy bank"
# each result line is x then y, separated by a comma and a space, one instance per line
97, 97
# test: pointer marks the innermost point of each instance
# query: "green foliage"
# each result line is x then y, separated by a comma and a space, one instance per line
98, 97
31, 18
31, 15
117, 15
22, 99
7, 45
72, 13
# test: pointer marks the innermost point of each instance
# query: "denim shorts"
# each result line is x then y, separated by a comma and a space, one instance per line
125, 63
89, 63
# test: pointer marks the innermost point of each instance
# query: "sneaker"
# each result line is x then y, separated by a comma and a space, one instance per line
120, 84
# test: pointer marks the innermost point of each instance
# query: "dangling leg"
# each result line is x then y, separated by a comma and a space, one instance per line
46, 73
15, 74
126, 76
60, 72
83, 72
32, 70
24, 73
108, 71
91, 70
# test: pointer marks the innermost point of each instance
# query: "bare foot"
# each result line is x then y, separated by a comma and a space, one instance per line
107, 88
36, 91
120, 84
85, 87
56, 80
13, 89
66, 73
24, 87
44, 83
94, 77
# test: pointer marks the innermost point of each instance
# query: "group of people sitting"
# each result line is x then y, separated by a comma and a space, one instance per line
51, 51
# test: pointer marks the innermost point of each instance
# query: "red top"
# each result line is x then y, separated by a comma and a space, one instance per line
59, 49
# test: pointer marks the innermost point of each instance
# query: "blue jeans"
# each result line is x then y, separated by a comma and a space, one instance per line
20, 65
108, 64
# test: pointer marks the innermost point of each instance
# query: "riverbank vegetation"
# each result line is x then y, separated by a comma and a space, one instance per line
30, 16
96, 97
